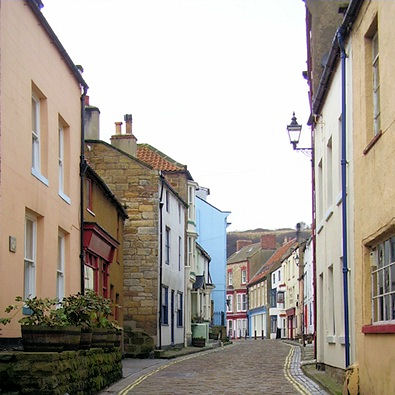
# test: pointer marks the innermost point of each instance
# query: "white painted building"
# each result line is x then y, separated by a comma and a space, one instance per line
277, 305
201, 303
329, 240
191, 259
308, 294
173, 263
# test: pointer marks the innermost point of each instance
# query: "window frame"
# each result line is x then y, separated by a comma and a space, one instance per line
36, 144
179, 309
230, 277
243, 276
165, 305
167, 245
60, 269
30, 263
229, 305
376, 83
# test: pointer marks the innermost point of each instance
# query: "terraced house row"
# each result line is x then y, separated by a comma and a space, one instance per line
79, 213
269, 290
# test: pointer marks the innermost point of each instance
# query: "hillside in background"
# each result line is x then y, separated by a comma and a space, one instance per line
255, 236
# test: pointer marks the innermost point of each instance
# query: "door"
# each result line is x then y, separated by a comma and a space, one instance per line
172, 316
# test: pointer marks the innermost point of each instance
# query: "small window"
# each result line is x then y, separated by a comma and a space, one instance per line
243, 276
167, 201
89, 199
230, 278
229, 303
376, 84
383, 281
30, 257
60, 267
167, 246
179, 308
165, 305
179, 253
36, 134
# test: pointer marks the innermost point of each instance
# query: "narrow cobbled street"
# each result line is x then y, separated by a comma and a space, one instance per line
247, 366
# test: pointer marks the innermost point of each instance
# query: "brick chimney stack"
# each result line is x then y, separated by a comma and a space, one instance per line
118, 128
242, 243
91, 121
268, 242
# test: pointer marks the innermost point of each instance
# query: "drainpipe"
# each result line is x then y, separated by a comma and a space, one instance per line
82, 178
160, 259
344, 197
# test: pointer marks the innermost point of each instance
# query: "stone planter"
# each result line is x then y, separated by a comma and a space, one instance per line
99, 337
86, 338
55, 339
111, 337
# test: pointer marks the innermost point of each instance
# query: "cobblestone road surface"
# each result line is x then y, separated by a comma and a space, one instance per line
248, 366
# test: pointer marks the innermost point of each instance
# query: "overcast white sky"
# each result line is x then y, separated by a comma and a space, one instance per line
211, 83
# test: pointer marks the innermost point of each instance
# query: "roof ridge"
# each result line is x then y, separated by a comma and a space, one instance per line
163, 155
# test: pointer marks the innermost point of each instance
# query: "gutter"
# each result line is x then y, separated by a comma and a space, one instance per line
83, 168
344, 197
160, 259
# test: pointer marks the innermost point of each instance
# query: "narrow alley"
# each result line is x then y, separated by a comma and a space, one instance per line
247, 366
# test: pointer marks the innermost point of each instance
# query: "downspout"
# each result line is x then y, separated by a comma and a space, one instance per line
82, 178
160, 260
313, 233
344, 197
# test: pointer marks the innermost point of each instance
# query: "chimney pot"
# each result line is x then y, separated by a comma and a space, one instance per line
118, 127
128, 120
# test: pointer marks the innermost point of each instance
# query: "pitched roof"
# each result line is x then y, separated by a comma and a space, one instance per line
244, 253
157, 159
277, 257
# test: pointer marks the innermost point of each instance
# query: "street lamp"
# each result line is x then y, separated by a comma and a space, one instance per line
294, 130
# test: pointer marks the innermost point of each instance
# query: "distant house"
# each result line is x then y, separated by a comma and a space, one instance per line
308, 294
211, 228
203, 287
104, 218
273, 310
40, 140
241, 266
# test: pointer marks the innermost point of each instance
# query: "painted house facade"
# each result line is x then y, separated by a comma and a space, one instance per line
39, 165
172, 242
104, 218
277, 313
308, 294
211, 228
374, 198
179, 178
241, 267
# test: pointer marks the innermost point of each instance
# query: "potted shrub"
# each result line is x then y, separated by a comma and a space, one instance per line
46, 328
78, 312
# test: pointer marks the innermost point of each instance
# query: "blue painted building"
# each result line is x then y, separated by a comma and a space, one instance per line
211, 228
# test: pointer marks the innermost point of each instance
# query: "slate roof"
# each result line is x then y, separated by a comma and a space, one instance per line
277, 257
244, 253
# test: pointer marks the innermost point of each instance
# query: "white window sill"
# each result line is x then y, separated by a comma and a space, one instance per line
331, 339
36, 173
339, 199
91, 212
65, 197
329, 213
342, 340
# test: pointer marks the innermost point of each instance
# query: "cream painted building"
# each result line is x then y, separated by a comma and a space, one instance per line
374, 158
329, 248
40, 140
